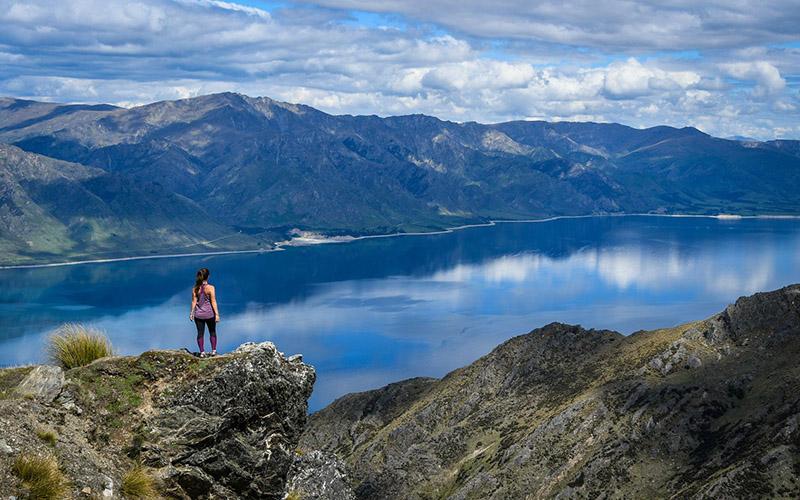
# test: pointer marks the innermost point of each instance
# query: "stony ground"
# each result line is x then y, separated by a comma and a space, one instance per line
708, 409
224, 427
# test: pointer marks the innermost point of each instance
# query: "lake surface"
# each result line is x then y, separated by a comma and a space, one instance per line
375, 311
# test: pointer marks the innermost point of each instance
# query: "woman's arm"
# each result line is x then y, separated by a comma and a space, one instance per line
212, 294
194, 304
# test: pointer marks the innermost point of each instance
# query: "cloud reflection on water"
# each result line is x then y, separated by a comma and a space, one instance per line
443, 301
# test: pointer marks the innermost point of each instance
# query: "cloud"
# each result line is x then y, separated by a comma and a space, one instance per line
767, 77
628, 25
484, 63
632, 79
478, 75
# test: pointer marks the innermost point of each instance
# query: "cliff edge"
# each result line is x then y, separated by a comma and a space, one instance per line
222, 427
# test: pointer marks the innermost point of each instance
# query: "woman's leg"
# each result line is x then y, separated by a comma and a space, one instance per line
212, 332
201, 330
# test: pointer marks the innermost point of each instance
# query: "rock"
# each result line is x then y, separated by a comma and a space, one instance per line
108, 487
68, 403
249, 347
234, 435
295, 357
5, 448
43, 382
320, 476
222, 427
193, 481
693, 362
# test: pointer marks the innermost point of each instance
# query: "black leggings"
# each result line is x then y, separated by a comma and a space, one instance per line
201, 323
201, 329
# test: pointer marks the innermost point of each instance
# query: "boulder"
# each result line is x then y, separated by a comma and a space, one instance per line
43, 382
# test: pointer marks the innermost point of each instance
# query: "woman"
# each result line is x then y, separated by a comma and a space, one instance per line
204, 311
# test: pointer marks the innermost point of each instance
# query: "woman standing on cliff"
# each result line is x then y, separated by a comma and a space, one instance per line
204, 311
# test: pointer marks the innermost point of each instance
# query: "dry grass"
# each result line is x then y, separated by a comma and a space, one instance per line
293, 495
47, 435
41, 475
138, 483
73, 345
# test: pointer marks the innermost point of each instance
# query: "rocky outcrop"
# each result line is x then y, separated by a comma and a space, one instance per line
709, 409
223, 427
319, 475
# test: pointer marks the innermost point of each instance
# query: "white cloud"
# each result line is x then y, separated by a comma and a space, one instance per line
612, 25
632, 79
478, 74
767, 77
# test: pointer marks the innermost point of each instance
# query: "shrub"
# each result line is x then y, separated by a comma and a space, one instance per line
138, 483
41, 476
74, 345
47, 435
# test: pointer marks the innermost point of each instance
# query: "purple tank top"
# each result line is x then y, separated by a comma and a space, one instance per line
203, 309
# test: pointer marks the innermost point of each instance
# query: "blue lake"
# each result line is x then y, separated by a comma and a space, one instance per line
374, 311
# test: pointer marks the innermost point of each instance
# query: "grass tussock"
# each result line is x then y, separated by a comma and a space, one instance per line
41, 475
47, 435
74, 345
293, 495
138, 483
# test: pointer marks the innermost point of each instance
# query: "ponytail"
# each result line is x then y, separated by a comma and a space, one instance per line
202, 275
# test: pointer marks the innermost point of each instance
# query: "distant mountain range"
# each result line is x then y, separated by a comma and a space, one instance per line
227, 171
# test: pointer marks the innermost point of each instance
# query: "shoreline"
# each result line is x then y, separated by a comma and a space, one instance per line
282, 245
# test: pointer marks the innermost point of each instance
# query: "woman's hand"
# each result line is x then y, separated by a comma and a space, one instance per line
216, 318
191, 316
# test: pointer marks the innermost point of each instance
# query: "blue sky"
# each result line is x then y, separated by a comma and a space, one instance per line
728, 68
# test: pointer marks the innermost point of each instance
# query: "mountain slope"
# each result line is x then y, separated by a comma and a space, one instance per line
54, 209
708, 409
265, 166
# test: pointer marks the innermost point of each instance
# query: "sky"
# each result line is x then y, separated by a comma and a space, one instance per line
727, 67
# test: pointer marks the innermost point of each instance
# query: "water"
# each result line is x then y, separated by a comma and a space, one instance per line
375, 311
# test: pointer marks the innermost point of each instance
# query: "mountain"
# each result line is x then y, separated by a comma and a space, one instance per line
51, 209
257, 168
709, 409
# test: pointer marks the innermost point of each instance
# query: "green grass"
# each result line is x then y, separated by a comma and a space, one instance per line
119, 395
74, 345
47, 435
41, 475
138, 483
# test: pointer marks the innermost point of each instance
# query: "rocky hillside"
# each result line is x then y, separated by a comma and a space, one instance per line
709, 409
224, 427
230, 171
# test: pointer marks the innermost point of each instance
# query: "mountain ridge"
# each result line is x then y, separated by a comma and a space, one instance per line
691, 411
260, 167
